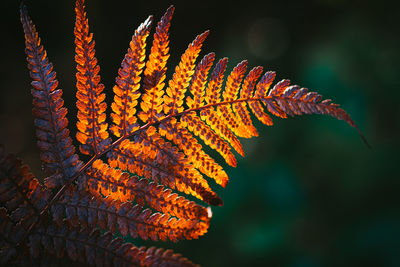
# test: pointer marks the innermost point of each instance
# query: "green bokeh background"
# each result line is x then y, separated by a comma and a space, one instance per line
309, 193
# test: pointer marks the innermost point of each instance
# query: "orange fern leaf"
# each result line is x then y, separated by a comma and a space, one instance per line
210, 138
158, 143
92, 128
128, 83
246, 92
177, 132
154, 74
188, 179
186, 142
211, 117
179, 83
114, 184
231, 92
152, 157
199, 81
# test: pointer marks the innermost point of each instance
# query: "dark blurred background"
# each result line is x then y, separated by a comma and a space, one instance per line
309, 192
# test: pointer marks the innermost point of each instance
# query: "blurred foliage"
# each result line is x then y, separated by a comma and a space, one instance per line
308, 193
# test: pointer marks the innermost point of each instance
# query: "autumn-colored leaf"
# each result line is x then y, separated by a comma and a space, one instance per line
135, 184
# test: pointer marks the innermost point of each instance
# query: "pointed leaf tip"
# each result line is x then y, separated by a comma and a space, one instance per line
363, 137
24, 12
169, 12
200, 38
149, 20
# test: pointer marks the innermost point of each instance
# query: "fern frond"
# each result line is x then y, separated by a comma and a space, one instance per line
211, 138
281, 101
154, 74
213, 91
197, 126
261, 89
56, 150
92, 128
128, 83
210, 116
154, 158
230, 93
114, 184
177, 132
247, 91
293, 100
135, 221
173, 100
199, 81
188, 179
158, 143
20, 193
